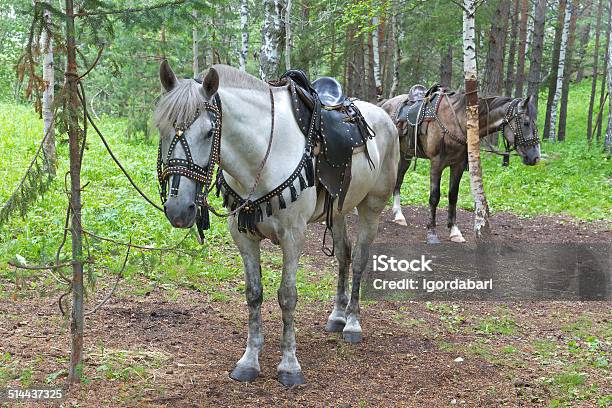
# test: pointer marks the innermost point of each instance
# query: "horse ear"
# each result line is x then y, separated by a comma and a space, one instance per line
166, 76
211, 83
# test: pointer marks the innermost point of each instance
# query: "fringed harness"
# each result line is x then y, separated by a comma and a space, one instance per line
248, 211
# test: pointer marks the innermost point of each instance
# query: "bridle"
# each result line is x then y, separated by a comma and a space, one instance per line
169, 174
512, 119
202, 176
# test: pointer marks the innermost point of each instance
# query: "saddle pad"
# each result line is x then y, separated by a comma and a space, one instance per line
426, 109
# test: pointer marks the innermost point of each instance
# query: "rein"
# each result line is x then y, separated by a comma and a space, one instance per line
203, 176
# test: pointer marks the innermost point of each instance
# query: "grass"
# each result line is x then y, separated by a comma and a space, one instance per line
113, 209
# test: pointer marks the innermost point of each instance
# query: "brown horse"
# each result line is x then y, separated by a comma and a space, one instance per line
442, 140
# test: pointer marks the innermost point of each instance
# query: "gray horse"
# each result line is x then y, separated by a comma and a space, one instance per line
247, 106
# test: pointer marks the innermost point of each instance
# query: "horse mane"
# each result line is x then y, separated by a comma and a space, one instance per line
181, 103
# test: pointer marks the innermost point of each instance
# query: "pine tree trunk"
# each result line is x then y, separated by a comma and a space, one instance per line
560, 74
569, 69
494, 67
272, 34
509, 84
537, 50
602, 95
398, 35
554, 66
481, 210
195, 46
48, 96
376, 59
608, 141
595, 72
370, 80
522, 46
585, 37
244, 28
72, 105
446, 67
288, 36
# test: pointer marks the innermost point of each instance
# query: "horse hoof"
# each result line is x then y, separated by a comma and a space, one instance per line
244, 374
401, 221
334, 326
352, 337
458, 239
291, 379
433, 240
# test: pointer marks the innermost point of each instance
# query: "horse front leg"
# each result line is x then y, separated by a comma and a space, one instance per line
342, 249
289, 371
247, 368
369, 217
453, 192
435, 174
404, 164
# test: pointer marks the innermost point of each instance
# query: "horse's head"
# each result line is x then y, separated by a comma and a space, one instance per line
188, 118
521, 131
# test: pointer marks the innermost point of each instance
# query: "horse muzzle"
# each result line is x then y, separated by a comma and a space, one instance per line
180, 215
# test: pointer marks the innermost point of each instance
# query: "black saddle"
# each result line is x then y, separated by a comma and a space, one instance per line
329, 91
420, 105
331, 121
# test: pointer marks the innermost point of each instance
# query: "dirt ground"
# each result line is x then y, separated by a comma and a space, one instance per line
162, 351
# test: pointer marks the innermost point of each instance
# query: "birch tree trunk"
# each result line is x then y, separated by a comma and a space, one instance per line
376, 59
595, 72
288, 36
195, 45
271, 37
608, 141
72, 105
522, 46
481, 209
560, 73
244, 27
48, 96
537, 50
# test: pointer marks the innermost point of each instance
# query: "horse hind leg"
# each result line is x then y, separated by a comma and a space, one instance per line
453, 192
369, 217
247, 368
398, 216
342, 248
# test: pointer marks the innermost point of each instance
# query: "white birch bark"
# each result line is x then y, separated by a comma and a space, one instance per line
48, 97
560, 73
376, 58
288, 35
271, 36
244, 27
481, 209
195, 45
608, 140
